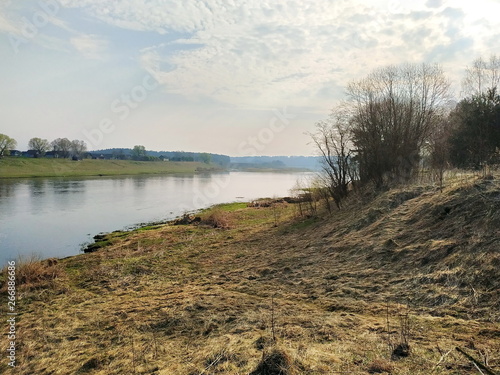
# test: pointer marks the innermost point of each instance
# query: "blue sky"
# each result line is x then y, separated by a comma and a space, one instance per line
232, 77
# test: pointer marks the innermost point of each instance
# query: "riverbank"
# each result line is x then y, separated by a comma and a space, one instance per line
246, 287
272, 170
14, 167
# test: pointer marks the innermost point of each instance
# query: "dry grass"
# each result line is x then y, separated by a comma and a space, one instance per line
218, 218
380, 366
32, 273
188, 300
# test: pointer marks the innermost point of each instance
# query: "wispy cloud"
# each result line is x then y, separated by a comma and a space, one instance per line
7, 25
259, 51
34, 22
90, 46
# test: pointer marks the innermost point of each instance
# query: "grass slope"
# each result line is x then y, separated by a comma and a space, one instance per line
333, 291
11, 167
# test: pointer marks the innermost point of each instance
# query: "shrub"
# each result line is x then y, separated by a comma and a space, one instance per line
218, 218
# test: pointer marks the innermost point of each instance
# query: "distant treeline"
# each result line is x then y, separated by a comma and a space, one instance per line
276, 162
126, 153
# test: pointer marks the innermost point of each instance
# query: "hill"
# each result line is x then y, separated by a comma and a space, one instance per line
251, 288
312, 163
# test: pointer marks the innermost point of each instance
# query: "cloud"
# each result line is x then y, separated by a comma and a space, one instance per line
6, 24
434, 3
449, 52
90, 46
453, 13
261, 52
34, 23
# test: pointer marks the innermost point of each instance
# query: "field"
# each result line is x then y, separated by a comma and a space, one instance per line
393, 283
12, 167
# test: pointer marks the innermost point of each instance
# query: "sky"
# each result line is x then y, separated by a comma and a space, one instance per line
232, 77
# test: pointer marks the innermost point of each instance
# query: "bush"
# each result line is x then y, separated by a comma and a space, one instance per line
218, 219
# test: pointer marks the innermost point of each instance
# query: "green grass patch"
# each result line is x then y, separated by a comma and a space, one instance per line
232, 206
227, 207
299, 225
148, 227
97, 245
16, 167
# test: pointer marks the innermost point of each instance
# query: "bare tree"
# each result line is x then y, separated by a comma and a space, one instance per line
62, 147
439, 149
6, 144
482, 76
78, 148
333, 141
39, 145
393, 112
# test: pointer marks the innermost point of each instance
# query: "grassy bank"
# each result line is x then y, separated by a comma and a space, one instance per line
11, 167
250, 287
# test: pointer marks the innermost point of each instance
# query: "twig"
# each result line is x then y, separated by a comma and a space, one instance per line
443, 356
484, 356
478, 364
387, 322
272, 319
216, 360
478, 369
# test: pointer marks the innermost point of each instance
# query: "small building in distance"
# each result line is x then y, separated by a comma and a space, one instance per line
30, 154
15, 153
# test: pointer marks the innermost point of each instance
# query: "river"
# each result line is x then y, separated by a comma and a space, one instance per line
55, 217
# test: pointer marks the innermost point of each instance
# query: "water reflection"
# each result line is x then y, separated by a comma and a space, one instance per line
139, 182
37, 186
67, 187
68, 194
7, 188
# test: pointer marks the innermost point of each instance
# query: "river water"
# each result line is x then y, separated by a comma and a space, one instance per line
55, 217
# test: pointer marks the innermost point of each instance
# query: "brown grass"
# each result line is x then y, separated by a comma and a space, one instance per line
218, 218
380, 366
276, 362
32, 273
188, 300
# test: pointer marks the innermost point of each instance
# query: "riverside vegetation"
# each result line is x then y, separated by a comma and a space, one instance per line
393, 284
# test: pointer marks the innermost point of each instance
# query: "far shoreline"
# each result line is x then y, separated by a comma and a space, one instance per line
19, 168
